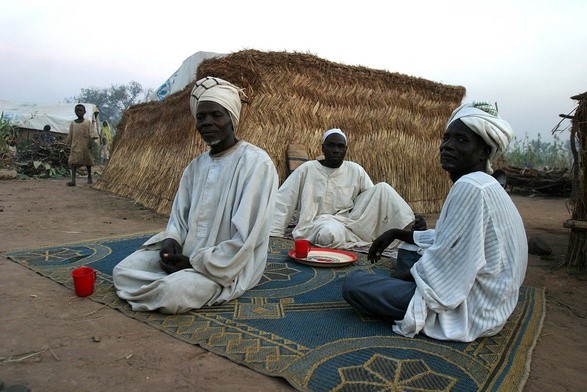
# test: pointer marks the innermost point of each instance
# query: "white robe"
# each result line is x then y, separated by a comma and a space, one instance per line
468, 279
221, 214
338, 208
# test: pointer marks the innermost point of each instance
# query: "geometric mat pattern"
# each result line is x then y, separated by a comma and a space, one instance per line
296, 325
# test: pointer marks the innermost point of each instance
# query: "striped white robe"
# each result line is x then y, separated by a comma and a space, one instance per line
468, 278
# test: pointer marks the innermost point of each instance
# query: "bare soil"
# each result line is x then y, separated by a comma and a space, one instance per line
52, 340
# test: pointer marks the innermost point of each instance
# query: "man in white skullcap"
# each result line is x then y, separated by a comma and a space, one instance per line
338, 205
466, 283
215, 245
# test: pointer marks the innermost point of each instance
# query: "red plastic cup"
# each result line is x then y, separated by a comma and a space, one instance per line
83, 280
302, 248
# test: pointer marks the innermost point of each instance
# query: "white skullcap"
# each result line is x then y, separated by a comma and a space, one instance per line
331, 131
482, 118
220, 91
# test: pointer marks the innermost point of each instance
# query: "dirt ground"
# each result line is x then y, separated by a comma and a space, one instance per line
55, 341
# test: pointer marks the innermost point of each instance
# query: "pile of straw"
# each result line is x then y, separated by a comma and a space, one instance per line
394, 124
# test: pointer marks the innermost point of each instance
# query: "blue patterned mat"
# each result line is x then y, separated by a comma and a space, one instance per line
296, 325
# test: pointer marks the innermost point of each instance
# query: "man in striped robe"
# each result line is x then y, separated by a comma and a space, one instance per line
466, 283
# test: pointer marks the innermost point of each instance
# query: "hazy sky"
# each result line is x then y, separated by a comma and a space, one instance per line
529, 56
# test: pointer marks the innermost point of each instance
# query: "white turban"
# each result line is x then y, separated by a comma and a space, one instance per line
482, 118
331, 131
220, 91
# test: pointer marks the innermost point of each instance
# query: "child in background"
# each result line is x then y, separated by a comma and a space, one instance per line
80, 140
104, 151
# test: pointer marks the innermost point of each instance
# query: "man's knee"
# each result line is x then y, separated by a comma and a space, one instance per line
349, 289
382, 187
353, 282
324, 238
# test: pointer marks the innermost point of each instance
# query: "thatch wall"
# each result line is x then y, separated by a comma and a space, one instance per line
394, 124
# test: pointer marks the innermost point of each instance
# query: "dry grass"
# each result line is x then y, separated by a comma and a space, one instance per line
394, 123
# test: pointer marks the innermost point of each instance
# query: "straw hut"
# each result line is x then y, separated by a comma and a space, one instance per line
576, 256
394, 123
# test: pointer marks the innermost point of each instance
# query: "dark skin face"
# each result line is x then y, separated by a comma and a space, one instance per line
80, 111
215, 126
462, 151
334, 149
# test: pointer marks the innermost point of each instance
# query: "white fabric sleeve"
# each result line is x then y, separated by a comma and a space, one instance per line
177, 226
424, 238
286, 202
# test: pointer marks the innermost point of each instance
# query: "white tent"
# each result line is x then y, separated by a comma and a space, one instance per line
36, 116
180, 78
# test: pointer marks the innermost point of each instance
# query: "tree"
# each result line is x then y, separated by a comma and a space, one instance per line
536, 154
112, 101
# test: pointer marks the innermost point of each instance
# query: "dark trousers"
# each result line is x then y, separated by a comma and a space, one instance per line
378, 295
381, 295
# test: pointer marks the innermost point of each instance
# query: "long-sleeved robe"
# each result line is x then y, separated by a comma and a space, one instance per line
79, 138
468, 278
221, 214
338, 208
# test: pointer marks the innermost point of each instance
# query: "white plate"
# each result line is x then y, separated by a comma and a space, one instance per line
325, 257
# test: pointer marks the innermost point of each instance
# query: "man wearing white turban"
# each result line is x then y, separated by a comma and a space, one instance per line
338, 205
215, 245
467, 281
482, 118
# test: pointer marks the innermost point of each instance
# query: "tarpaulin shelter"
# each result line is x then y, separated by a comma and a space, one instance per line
31, 118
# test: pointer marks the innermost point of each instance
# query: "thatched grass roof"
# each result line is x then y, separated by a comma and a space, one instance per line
394, 123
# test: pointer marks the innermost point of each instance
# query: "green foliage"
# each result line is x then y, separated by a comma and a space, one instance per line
7, 134
8, 138
536, 154
40, 160
112, 101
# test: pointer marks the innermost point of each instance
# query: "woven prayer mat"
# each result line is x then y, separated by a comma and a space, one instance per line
296, 325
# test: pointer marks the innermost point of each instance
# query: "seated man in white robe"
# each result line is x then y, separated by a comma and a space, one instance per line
338, 205
467, 281
215, 245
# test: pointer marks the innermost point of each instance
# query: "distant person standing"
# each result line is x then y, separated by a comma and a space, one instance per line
106, 133
104, 151
80, 140
105, 142
46, 137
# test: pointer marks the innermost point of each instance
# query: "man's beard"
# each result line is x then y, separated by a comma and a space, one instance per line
212, 143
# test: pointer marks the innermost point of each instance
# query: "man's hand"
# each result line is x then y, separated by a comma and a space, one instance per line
172, 259
379, 245
173, 263
170, 247
385, 239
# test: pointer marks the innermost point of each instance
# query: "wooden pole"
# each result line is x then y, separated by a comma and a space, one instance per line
576, 257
